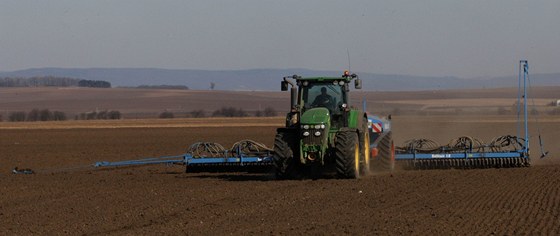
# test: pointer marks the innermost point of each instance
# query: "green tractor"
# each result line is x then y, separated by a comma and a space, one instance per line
323, 133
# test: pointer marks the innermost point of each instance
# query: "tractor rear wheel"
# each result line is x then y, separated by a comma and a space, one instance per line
347, 155
284, 160
386, 155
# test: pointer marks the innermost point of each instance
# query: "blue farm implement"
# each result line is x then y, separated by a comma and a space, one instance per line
463, 152
469, 152
246, 155
324, 133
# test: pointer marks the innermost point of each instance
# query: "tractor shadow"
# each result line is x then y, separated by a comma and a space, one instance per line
249, 176
237, 176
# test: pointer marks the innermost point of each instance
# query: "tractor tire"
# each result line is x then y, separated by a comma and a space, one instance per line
386, 155
347, 155
285, 163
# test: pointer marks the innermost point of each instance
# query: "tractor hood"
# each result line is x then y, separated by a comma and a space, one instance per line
318, 115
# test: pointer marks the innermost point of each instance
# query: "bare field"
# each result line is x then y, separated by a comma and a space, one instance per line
465, 102
148, 103
68, 196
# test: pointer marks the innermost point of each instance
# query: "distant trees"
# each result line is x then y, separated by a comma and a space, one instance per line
100, 115
229, 112
198, 113
17, 116
48, 115
94, 84
59, 116
166, 115
37, 115
39, 81
268, 112
51, 81
33, 115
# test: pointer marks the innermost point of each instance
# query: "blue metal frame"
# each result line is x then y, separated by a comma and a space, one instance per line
147, 161
189, 160
241, 160
466, 155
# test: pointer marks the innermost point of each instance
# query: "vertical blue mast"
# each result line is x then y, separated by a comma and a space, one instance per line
525, 75
519, 101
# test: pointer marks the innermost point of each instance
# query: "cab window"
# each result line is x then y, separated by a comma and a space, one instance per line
325, 95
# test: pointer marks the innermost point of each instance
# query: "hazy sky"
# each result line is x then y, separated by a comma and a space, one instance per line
470, 38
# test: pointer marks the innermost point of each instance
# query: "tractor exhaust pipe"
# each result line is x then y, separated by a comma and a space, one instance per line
293, 89
293, 97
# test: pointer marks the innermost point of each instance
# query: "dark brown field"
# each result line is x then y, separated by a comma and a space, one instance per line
68, 196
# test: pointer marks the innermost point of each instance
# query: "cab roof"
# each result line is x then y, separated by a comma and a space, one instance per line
321, 79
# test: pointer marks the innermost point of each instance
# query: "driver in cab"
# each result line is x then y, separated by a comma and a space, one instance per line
322, 99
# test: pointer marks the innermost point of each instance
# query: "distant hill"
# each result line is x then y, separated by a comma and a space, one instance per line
269, 79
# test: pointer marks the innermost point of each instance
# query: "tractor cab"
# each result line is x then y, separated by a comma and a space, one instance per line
317, 97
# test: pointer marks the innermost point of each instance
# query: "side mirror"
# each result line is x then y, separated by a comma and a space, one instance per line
284, 86
358, 84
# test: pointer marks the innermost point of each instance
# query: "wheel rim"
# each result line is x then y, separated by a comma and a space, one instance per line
366, 152
357, 159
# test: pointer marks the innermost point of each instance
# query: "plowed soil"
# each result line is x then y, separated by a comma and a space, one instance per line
68, 196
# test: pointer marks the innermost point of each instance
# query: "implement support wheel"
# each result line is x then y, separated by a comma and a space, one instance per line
386, 153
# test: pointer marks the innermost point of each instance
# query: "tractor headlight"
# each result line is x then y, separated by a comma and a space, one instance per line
305, 126
306, 133
305, 83
341, 83
322, 126
317, 133
317, 126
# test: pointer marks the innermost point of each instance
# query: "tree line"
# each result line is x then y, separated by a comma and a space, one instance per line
222, 112
48, 115
37, 115
51, 81
100, 115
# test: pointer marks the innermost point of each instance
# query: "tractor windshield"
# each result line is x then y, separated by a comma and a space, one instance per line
326, 95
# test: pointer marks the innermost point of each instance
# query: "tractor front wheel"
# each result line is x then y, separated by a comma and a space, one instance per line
284, 161
347, 155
